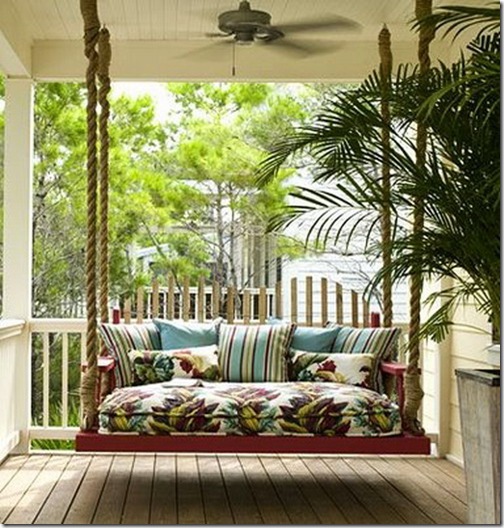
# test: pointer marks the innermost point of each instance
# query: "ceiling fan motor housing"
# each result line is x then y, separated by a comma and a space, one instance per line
247, 24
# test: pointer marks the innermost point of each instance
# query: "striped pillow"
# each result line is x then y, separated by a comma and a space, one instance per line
380, 342
119, 339
254, 353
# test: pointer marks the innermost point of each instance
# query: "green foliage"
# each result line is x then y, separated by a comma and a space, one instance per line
459, 185
225, 132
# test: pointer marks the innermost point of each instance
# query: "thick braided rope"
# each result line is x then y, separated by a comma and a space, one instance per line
88, 384
414, 392
104, 53
385, 74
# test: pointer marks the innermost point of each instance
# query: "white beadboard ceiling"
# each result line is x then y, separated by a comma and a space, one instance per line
46, 35
191, 19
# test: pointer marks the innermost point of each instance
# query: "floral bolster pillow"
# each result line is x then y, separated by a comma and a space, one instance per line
350, 369
155, 366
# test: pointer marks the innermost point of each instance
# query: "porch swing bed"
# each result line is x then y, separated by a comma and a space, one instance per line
333, 401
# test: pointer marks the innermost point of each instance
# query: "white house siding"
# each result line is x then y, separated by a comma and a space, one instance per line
468, 350
465, 347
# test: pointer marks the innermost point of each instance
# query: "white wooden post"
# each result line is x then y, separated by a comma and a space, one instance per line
17, 241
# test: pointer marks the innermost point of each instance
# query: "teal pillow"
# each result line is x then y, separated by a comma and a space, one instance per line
309, 338
312, 339
179, 334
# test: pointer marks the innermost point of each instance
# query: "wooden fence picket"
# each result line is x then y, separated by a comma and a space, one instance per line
339, 303
309, 300
355, 308
170, 309
293, 295
140, 305
324, 312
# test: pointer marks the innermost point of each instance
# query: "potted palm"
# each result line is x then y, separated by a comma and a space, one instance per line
459, 185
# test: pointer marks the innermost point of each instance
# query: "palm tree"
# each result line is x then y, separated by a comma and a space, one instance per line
459, 184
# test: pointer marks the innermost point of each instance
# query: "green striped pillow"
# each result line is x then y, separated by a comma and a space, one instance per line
119, 339
254, 352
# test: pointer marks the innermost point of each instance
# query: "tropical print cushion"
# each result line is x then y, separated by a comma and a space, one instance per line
119, 339
288, 408
163, 365
380, 342
180, 334
254, 352
349, 369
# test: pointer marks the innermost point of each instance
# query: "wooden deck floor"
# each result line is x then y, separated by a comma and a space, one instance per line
226, 489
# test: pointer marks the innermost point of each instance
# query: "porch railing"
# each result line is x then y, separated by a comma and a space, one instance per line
58, 345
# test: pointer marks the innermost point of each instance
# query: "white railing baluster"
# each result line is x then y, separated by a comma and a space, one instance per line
45, 379
64, 380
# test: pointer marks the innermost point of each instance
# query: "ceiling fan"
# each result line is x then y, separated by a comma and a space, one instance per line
246, 26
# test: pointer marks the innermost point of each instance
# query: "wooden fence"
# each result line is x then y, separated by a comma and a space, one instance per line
306, 302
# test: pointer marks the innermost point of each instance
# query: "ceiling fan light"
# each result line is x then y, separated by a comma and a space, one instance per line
244, 38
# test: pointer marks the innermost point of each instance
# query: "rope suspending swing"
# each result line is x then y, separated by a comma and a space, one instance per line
385, 79
98, 66
413, 390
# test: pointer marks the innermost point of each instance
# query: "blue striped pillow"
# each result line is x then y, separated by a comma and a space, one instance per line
119, 339
254, 352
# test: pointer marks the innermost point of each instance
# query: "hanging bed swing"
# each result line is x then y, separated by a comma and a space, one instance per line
221, 416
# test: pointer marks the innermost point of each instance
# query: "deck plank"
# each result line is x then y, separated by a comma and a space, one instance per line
62, 495
9, 468
363, 492
86, 500
110, 506
267, 500
241, 498
455, 506
388, 493
353, 511
325, 509
31, 502
19, 483
190, 502
164, 491
215, 499
449, 468
295, 504
448, 482
138, 499
407, 483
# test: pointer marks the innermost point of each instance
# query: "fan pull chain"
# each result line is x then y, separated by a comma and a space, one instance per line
233, 69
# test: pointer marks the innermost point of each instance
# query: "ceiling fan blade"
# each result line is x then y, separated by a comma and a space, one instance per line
300, 49
217, 35
207, 52
330, 22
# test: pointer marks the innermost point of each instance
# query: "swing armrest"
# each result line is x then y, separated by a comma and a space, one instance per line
396, 371
105, 364
106, 379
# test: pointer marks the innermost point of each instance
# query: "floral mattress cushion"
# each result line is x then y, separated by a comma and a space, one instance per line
191, 406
